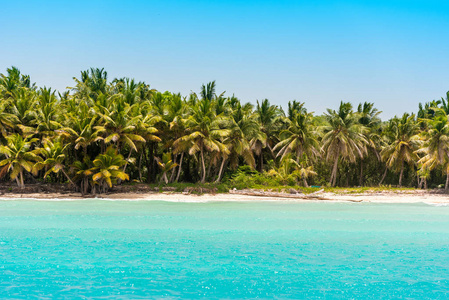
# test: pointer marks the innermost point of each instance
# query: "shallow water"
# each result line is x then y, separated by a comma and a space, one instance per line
151, 249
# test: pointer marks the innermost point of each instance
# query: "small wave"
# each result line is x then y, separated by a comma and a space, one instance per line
436, 204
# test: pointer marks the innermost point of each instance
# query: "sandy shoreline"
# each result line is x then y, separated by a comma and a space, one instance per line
385, 197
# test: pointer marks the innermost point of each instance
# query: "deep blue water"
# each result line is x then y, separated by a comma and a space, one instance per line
140, 249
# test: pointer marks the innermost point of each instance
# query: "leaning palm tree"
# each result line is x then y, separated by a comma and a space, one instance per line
403, 143
436, 146
19, 158
343, 137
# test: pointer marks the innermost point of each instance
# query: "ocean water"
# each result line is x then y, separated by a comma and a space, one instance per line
151, 249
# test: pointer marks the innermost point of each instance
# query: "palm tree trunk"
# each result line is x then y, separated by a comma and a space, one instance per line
446, 186
180, 165
221, 170
173, 173
22, 185
165, 178
402, 172
208, 170
140, 166
305, 182
361, 173
384, 175
203, 179
129, 156
334, 170
67, 176
261, 161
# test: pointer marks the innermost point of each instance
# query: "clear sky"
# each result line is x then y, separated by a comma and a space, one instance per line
391, 52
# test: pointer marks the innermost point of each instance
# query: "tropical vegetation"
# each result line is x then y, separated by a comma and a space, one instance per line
101, 133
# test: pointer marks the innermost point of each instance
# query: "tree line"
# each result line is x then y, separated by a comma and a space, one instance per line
100, 133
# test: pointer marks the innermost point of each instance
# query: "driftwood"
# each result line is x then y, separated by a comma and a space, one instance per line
314, 195
311, 196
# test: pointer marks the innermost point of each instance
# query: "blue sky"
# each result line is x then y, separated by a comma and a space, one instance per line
394, 53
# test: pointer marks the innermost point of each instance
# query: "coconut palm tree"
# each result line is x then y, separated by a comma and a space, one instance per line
203, 128
166, 164
7, 120
120, 126
24, 106
268, 116
19, 158
299, 138
403, 143
55, 158
369, 118
46, 113
106, 169
243, 130
436, 146
83, 174
343, 138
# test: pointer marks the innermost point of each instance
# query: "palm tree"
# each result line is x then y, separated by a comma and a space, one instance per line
369, 118
121, 127
46, 114
403, 142
83, 173
343, 137
54, 155
436, 146
7, 120
19, 158
268, 116
244, 129
166, 164
203, 130
13, 81
106, 169
299, 138
92, 84
24, 106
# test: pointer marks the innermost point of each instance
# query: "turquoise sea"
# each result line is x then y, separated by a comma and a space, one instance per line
151, 249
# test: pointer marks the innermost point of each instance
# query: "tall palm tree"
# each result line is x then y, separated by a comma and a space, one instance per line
203, 128
436, 146
244, 129
268, 116
403, 142
299, 138
19, 158
369, 118
343, 137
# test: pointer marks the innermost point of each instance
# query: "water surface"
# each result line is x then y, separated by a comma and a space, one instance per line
151, 249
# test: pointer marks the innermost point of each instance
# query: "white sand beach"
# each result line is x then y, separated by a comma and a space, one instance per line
415, 196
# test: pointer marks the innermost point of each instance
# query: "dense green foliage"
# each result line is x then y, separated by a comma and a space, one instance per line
100, 133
